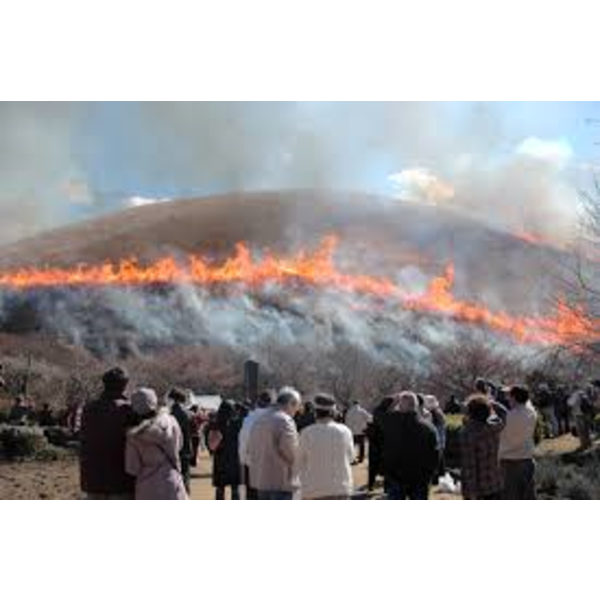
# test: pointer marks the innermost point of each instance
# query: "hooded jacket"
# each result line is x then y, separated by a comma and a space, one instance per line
152, 457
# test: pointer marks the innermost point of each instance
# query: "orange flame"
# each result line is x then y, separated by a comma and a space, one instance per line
566, 325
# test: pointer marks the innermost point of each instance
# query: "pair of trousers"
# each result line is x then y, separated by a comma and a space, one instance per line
582, 423
275, 495
220, 493
551, 420
251, 492
398, 490
519, 479
359, 443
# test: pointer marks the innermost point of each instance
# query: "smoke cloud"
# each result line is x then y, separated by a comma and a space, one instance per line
65, 161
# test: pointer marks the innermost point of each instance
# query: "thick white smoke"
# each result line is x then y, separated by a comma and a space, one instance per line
525, 191
64, 161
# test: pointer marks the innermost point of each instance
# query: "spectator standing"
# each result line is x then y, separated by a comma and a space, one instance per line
581, 405
184, 420
517, 444
357, 419
563, 412
45, 417
273, 449
481, 476
375, 436
223, 440
19, 411
306, 416
326, 455
546, 401
438, 420
264, 403
104, 426
410, 450
152, 450
197, 422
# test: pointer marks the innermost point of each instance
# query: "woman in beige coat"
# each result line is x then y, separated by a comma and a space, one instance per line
152, 450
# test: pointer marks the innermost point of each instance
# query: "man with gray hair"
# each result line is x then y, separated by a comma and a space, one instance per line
272, 449
410, 450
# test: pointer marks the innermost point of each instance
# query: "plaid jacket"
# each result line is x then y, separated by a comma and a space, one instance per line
480, 468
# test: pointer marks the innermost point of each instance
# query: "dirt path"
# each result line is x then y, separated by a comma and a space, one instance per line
60, 479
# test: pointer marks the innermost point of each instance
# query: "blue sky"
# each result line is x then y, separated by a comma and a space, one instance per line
77, 160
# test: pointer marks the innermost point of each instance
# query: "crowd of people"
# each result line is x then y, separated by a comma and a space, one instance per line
137, 445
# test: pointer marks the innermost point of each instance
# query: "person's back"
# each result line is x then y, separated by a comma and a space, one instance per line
517, 445
104, 426
326, 455
184, 420
272, 449
481, 476
224, 440
410, 446
45, 417
517, 441
152, 456
18, 412
357, 419
410, 450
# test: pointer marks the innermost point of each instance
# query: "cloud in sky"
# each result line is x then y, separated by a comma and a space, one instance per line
524, 190
137, 201
556, 152
421, 185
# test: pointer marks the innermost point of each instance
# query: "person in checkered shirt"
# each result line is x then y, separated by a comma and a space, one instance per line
481, 475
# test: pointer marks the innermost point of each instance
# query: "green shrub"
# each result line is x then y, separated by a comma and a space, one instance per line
21, 441
548, 476
453, 422
53, 453
578, 487
558, 477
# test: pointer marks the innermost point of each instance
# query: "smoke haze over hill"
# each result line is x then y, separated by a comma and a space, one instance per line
61, 162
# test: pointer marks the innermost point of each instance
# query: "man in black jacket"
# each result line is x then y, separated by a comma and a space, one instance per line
104, 426
184, 419
410, 451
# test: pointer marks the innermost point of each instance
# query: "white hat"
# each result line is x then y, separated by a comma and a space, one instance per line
407, 402
431, 403
144, 401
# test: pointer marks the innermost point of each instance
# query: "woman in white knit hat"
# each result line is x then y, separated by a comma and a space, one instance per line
152, 451
326, 455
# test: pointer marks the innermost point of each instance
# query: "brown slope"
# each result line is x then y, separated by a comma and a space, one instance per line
379, 233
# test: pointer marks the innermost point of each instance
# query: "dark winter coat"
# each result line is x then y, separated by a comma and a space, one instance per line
410, 449
104, 426
184, 420
375, 437
227, 469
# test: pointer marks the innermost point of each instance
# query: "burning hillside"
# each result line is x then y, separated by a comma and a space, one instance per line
316, 269
373, 274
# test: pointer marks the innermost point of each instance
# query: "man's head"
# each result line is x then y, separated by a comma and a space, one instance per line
478, 408
115, 381
177, 395
519, 394
265, 399
325, 406
289, 400
407, 403
481, 386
